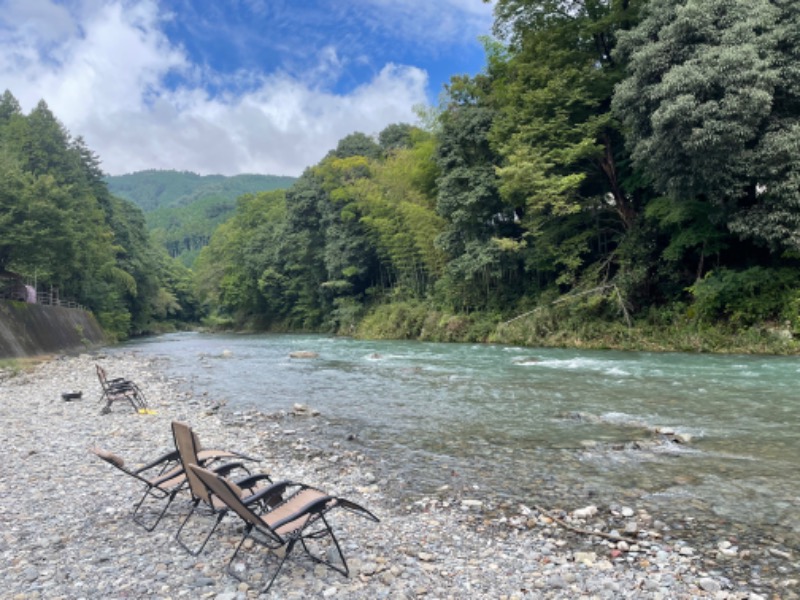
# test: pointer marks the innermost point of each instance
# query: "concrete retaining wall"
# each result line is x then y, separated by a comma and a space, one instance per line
32, 329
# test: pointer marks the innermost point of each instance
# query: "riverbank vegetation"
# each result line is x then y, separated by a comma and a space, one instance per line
621, 175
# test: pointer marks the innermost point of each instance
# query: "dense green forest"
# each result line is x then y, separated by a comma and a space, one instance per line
622, 173
61, 228
182, 209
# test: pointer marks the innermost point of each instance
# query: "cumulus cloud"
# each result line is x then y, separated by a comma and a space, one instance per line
108, 71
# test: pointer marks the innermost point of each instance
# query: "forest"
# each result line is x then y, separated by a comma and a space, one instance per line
182, 209
622, 173
62, 229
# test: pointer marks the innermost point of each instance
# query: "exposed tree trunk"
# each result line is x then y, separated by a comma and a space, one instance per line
621, 203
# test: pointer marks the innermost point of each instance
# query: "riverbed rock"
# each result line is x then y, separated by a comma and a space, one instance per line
585, 513
303, 354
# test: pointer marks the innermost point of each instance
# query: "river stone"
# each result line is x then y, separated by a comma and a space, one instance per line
631, 528
709, 585
303, 354
585, 513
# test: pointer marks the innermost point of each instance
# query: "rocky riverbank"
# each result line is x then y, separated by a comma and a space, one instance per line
66, 531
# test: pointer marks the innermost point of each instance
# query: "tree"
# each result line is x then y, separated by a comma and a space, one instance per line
356, 144
710, 108
552, 88
60, 226
9, 108
469, 200
396, 136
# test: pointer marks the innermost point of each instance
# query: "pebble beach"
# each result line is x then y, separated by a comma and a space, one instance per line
66, 529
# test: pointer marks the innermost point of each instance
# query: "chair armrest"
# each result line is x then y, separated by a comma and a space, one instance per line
356, 508
225, 469
164, 460
251, 481
241, 456
274, 491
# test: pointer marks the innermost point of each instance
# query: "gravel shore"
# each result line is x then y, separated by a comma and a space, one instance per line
66, 531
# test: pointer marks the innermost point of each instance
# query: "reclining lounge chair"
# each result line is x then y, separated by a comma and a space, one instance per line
299, 517
120, 389
164, 477
188, 447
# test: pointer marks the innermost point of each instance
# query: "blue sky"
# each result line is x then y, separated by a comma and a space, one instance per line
235, 86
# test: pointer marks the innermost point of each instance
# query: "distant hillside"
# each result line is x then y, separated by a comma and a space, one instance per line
183, 209
152, 189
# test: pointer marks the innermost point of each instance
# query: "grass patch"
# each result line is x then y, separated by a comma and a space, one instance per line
15, 366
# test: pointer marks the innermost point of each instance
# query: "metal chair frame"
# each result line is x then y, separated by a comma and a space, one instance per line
120, 388
265, 528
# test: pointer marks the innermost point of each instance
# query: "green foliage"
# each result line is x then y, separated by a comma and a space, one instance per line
711, 109
61, 228
618, 176
398, 320
233, 271
152, 190
747, 297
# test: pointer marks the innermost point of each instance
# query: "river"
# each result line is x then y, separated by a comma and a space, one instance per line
711, 437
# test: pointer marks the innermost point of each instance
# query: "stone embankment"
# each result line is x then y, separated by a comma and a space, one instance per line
34, 329
66, 531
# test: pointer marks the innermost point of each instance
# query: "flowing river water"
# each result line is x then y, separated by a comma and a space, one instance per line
710, 438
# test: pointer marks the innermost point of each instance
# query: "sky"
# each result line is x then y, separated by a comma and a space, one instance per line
233, 86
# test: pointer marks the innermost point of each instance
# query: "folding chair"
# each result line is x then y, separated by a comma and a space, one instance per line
187, 444
299, 517
120, 388
165, 476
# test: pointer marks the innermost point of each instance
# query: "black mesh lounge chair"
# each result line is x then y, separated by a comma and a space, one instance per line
120, 389
255, 490
164, 477
299, 517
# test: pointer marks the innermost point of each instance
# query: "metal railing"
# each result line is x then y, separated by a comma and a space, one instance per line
43, 298
48, 299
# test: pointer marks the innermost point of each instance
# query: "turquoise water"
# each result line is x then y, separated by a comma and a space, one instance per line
532, 424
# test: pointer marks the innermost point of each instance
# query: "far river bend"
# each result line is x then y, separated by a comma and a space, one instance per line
528, 423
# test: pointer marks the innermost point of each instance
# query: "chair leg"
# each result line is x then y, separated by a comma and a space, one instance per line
132, 401
107, 408
229, 568
289, 547
169, 498
196, 505
327, 531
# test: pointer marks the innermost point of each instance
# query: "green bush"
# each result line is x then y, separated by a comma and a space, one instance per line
747, 297
399, 320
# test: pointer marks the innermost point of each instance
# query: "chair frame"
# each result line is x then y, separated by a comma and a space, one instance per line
168, 480
165, 476
120, 388
286, 523
188, 447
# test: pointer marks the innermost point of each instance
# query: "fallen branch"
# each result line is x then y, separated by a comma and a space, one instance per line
565, 525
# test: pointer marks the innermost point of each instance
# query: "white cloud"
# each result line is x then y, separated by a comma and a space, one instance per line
101, 67
451, 21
